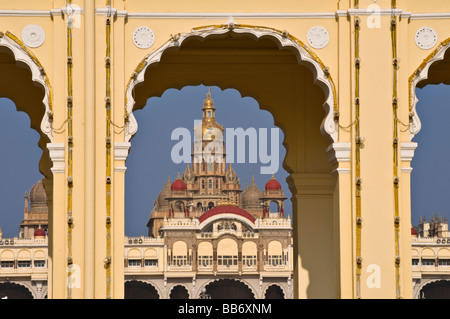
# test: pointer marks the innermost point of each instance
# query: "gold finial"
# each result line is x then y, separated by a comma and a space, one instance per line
208, 103
168, 181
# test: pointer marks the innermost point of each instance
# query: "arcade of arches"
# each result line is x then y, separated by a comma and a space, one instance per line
339, 81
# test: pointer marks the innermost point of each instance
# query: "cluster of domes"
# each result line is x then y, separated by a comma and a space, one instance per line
251, 197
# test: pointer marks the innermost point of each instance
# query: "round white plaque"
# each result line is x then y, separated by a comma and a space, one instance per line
318, 37
143, 37
426, 38
33, 36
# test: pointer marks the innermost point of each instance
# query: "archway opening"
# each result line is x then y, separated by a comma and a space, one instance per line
179, 292
430, 176
10, 290
140, 290
274, 292
25, 163
286, 86
229, 289
436, 290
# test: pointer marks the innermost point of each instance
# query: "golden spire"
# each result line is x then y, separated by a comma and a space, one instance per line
208, 103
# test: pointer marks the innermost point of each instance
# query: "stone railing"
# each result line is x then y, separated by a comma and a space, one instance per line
143, 240
273, 222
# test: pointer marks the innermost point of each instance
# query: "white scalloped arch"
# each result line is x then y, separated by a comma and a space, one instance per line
421, 74
329, 127
38, 75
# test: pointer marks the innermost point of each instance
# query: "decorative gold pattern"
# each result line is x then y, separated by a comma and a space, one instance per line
358, 156
70, 151
108, 152
143, 63
395, 146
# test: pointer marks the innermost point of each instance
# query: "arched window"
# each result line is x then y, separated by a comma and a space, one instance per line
249, 253
210, 184
203, 184
227, 253
275, 253
180, 252
274, 207
205, 254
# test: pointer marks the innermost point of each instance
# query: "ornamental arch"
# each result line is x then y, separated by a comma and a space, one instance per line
234, 56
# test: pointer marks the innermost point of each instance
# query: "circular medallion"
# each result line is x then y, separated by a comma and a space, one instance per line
33, 36
426, 38
318, 37
143, 37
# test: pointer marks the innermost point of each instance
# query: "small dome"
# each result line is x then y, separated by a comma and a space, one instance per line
39, 232
162, 201
188, 175
178, 184
273, 185
37, 194
413, 231
208, 103
251, 196
230, 175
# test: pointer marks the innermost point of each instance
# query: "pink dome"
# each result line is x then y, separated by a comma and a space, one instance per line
178, 185
39, 232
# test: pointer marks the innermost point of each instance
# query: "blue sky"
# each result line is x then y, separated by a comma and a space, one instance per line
149, 162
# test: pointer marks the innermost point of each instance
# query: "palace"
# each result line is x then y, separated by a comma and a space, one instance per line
339, 78
206, 236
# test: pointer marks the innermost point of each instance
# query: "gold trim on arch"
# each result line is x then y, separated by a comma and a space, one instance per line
314, 56
430, 57
36, 61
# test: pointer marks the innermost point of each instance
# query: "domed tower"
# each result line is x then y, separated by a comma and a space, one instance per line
273, 199
251, 199
209, 151
160, 210
35, 211
179, 199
